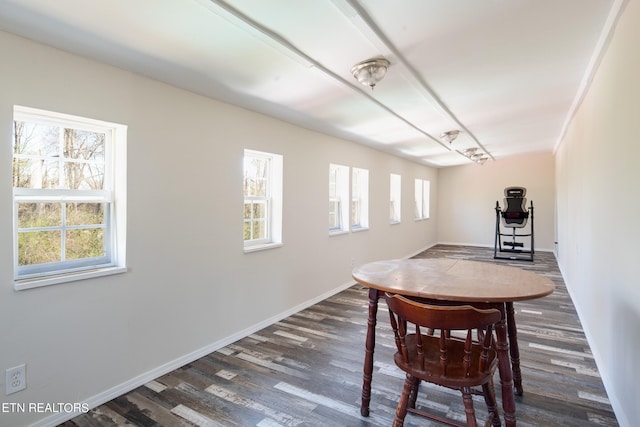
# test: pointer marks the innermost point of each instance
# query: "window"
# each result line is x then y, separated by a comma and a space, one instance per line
395, 189
338, 199
69, 197
359, 199
422, 199
262, 200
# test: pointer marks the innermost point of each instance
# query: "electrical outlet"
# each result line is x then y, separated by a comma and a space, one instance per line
16, 379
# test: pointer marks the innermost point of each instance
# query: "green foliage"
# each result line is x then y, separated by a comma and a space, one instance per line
37, 245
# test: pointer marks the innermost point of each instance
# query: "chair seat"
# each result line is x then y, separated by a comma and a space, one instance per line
455, 376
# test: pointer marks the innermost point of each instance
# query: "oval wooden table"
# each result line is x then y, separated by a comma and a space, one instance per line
456, 281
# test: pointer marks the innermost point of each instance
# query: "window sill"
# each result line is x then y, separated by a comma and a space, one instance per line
263, 247
337, 232
359, 229
22, 284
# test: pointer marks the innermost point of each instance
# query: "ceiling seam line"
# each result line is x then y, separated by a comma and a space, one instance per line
290, 46
374, 27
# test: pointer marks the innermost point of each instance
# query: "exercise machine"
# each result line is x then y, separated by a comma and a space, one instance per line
516, 216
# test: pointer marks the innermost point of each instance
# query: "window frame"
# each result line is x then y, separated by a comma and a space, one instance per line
422, 193
112, 196
339, 197
359, 199
395, 198
272, 200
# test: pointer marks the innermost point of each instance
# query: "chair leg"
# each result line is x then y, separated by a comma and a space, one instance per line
401, 410
468, 407
490, 399
414, 393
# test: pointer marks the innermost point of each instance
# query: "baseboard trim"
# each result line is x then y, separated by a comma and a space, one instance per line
478, 245
429, 246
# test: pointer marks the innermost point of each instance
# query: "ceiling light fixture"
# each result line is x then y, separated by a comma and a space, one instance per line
449, 136
371, 71
473, 155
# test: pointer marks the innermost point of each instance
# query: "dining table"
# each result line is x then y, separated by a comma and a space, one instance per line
456, 281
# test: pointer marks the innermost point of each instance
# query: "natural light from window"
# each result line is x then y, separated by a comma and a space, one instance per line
422, 188
359, 199
395, 203
262, 200
69, 193
338, 199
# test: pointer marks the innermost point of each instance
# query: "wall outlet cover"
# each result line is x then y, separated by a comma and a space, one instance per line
16, 379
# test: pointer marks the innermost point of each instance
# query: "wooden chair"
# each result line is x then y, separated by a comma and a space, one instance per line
435, 354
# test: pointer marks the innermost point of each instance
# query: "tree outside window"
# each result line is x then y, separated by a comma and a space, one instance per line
256, 198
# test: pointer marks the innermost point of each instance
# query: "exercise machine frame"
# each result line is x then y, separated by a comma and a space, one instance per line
500, 247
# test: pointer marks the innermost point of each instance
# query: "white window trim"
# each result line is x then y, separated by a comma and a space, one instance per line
360, 190
20, 285
261, 247
342, 190
338, 204
422, 193
115, 168
395, 196
426, 195
274, 205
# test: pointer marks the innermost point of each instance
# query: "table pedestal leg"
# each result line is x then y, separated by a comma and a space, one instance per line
368, 354
514, 349
504, 367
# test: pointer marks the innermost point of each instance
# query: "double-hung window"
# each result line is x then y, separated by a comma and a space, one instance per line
395, 190
338, 199
262, 200
359, 199
68, 197
422, 190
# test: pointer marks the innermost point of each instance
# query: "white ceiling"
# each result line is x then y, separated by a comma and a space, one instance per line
506, 73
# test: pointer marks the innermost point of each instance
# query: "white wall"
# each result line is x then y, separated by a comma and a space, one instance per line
188, 276
467, 198
598, 209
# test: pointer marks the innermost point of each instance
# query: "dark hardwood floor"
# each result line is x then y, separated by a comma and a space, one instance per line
306, 370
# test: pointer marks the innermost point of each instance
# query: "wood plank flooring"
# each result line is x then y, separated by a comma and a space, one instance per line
306, 370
